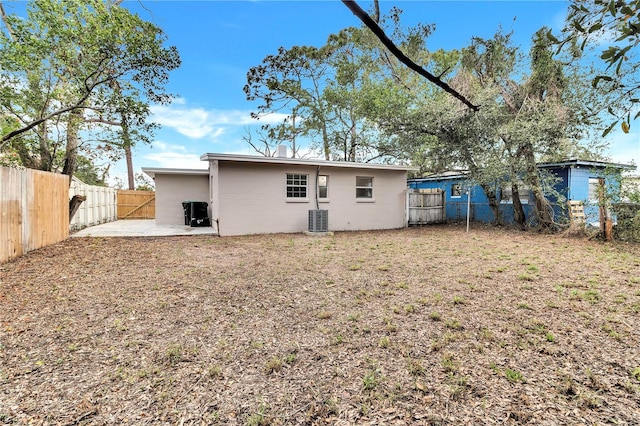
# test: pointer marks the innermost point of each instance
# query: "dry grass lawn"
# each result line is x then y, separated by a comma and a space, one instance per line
421, 326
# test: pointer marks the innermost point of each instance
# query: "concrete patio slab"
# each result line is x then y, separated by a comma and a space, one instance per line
141, 228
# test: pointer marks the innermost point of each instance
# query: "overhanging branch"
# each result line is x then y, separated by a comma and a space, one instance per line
386, 41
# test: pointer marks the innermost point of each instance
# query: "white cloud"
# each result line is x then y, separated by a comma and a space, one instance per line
198, 123
174, 156
192, 123
168, 147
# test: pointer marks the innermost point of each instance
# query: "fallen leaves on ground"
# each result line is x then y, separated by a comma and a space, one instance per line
421, 326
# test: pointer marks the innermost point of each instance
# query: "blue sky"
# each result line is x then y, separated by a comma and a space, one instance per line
219, 41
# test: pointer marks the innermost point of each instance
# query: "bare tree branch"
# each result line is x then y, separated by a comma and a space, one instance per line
376, 11
386, 41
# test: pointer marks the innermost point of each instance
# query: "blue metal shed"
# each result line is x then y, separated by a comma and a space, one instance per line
574, 180
578, 180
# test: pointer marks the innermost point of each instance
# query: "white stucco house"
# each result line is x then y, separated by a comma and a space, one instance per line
256, 195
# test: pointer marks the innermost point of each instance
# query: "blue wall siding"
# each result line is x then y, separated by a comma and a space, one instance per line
561, 186
579, 189
579, 184
456, 207
572, 183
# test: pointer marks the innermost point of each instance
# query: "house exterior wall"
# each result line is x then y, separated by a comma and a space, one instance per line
579, 183
214, 203
572, 183
250, 198
172, 190
456, 206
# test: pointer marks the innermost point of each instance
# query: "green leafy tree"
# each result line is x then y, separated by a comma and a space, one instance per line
144, 183
366, 84
328, 92
616, 24
291, 82
525, 116
88, 173
75, 67
537, 113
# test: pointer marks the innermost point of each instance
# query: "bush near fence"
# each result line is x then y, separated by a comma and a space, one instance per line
628, 221
101, 205
34, 210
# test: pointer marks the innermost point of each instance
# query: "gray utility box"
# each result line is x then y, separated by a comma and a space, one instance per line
318, 220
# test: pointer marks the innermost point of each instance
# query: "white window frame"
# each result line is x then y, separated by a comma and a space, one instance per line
293, 181
368, 187
459, 187
592, 194
325, 185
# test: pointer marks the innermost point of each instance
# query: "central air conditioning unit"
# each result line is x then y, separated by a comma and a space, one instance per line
318, 220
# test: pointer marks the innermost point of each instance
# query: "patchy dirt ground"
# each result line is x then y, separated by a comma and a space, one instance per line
417, 326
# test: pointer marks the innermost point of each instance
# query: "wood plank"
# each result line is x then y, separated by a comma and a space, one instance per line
576, 212
34, 210
426, 206
139, 207
138, 201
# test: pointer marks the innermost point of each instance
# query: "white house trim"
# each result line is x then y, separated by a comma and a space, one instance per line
303, 162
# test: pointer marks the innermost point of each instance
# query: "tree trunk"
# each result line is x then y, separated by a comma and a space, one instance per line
74, 205
294, 149
73, 141
353, 137
489, 192
518, 210
542, 210
46, 159
325, 141
494, 204
126, 145
130, 175
352, 145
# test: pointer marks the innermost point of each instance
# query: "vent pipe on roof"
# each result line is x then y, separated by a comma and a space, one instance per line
281, 151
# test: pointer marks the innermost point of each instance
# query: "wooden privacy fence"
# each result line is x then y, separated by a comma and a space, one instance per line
34, 210
99, 207
136, 204
426, 206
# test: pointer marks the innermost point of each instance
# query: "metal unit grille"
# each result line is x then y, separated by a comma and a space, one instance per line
318, 220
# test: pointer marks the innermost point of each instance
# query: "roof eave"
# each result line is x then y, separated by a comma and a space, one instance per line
153, 171
585, 163
301, 161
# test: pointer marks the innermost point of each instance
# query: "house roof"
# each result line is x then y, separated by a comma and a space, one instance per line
301, 162
462, 174
448, 175
583, 163
153, 171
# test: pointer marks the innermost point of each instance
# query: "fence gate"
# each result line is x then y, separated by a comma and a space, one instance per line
426, 206
136, 204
